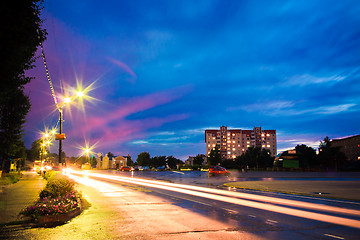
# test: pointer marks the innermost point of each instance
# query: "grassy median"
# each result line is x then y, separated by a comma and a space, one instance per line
347, 190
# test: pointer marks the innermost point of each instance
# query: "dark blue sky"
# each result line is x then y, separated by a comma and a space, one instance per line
163, 71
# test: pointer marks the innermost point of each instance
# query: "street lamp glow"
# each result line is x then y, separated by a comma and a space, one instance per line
67, 99
80, 94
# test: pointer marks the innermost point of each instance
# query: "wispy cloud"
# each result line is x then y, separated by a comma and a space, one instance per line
264, 106
288, 108
125, 68
306, 79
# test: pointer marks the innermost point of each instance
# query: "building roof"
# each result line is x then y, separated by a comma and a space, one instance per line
345, 138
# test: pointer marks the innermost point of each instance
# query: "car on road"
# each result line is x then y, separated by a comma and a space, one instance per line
218, 170
126, 168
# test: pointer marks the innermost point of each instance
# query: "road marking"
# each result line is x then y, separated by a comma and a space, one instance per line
271, 221
186, 199
252, 216
232, 211
178, 172
333, 236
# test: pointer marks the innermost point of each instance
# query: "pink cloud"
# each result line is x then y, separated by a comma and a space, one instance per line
132, 106
129, 130
125, 68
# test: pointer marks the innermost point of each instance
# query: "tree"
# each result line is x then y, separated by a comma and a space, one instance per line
21, 34
110, 155
158, 161
143, 159
198, 160
93, 161
173, 162
307, 156
129, 162
255, 157
35, 149
214, 156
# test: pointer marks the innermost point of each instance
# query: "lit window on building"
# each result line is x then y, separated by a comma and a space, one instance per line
268, 135
229, 153
268, 146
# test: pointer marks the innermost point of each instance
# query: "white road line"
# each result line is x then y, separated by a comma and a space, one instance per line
232, 211
253, 216
272, 221
333, 236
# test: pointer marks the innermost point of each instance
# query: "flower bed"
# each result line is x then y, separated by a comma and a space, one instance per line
57, 203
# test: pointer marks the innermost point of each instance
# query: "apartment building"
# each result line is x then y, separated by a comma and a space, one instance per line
235, 142
350, 146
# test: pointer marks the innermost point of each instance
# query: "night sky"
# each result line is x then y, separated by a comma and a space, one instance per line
161, 72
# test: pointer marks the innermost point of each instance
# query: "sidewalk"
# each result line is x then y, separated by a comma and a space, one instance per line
15, 197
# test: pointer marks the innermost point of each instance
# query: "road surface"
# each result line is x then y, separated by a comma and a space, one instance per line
242, 214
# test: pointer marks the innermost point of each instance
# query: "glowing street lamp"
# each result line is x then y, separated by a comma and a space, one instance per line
61, 135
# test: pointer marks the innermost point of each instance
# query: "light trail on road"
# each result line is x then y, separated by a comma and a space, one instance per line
234, 198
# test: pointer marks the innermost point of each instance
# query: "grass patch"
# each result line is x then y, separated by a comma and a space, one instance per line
10, 178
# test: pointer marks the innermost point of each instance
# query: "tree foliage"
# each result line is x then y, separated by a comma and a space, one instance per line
214, 156
255, 157
157, 161
173, 162
307, 156
198, 160
143, 159
129, 162
21, 34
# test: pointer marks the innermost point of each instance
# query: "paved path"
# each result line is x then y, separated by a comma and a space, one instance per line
348, 190
15, 197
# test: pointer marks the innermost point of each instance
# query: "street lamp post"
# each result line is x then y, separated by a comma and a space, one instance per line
60, 140
61, 136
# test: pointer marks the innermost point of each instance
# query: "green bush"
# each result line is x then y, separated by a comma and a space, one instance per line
60, 185
46, 194
12, 177
50, 174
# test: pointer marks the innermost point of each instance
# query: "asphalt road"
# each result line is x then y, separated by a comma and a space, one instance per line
269, 216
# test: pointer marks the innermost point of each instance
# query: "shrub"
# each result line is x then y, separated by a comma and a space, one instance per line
52, 206
50, 174
59, 185
46, 193
58, 197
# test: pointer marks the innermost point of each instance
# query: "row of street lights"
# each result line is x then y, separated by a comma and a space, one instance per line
45, 140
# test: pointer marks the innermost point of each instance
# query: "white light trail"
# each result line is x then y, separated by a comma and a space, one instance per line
233, 197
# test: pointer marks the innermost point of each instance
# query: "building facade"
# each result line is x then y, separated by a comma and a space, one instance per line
235, 142
107, 162
350, 146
